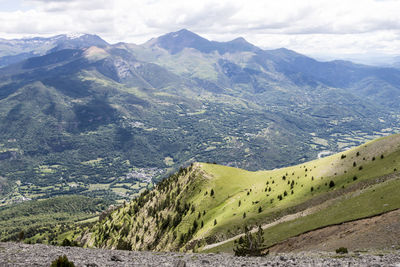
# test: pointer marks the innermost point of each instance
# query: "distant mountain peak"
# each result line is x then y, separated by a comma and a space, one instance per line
185, 32
175, 42
74, 35
241, 44
86, 37
181, 34
239, 40
78, 40
20, 49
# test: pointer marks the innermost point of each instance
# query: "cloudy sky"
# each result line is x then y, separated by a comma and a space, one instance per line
314, 27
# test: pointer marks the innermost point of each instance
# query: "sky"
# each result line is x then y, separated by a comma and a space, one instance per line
334, 28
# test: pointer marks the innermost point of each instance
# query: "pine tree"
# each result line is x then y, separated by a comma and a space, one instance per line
21, 236
250, 245
62, 261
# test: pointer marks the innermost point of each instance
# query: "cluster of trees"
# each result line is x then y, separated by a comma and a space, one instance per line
155, 215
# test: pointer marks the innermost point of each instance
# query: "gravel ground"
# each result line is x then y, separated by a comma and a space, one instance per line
17, 254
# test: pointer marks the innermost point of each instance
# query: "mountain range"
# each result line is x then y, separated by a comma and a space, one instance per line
13, 51
79, 115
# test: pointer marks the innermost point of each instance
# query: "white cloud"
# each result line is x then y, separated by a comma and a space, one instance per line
337, 27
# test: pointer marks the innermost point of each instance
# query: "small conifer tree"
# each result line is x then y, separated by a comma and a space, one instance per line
250, 245
21, 235
62, 261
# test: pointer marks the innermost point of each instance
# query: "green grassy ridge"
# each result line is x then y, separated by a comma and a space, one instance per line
236, 184
43, 220
373, 201
202, 217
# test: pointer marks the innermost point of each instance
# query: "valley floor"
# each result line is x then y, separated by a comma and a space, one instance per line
17, 254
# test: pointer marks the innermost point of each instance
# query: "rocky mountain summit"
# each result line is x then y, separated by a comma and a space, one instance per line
18, 254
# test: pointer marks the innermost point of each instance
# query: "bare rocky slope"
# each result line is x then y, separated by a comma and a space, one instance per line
16, 254
382, 231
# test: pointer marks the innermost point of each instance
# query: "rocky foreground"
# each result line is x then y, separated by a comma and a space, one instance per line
17, 254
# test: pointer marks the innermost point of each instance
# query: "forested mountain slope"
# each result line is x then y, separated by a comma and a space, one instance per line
109, 120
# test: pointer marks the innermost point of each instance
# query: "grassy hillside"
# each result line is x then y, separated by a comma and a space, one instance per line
375, 200
207, 203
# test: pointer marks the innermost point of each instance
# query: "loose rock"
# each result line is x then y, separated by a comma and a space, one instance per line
115, 258
17, 254
180, 263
